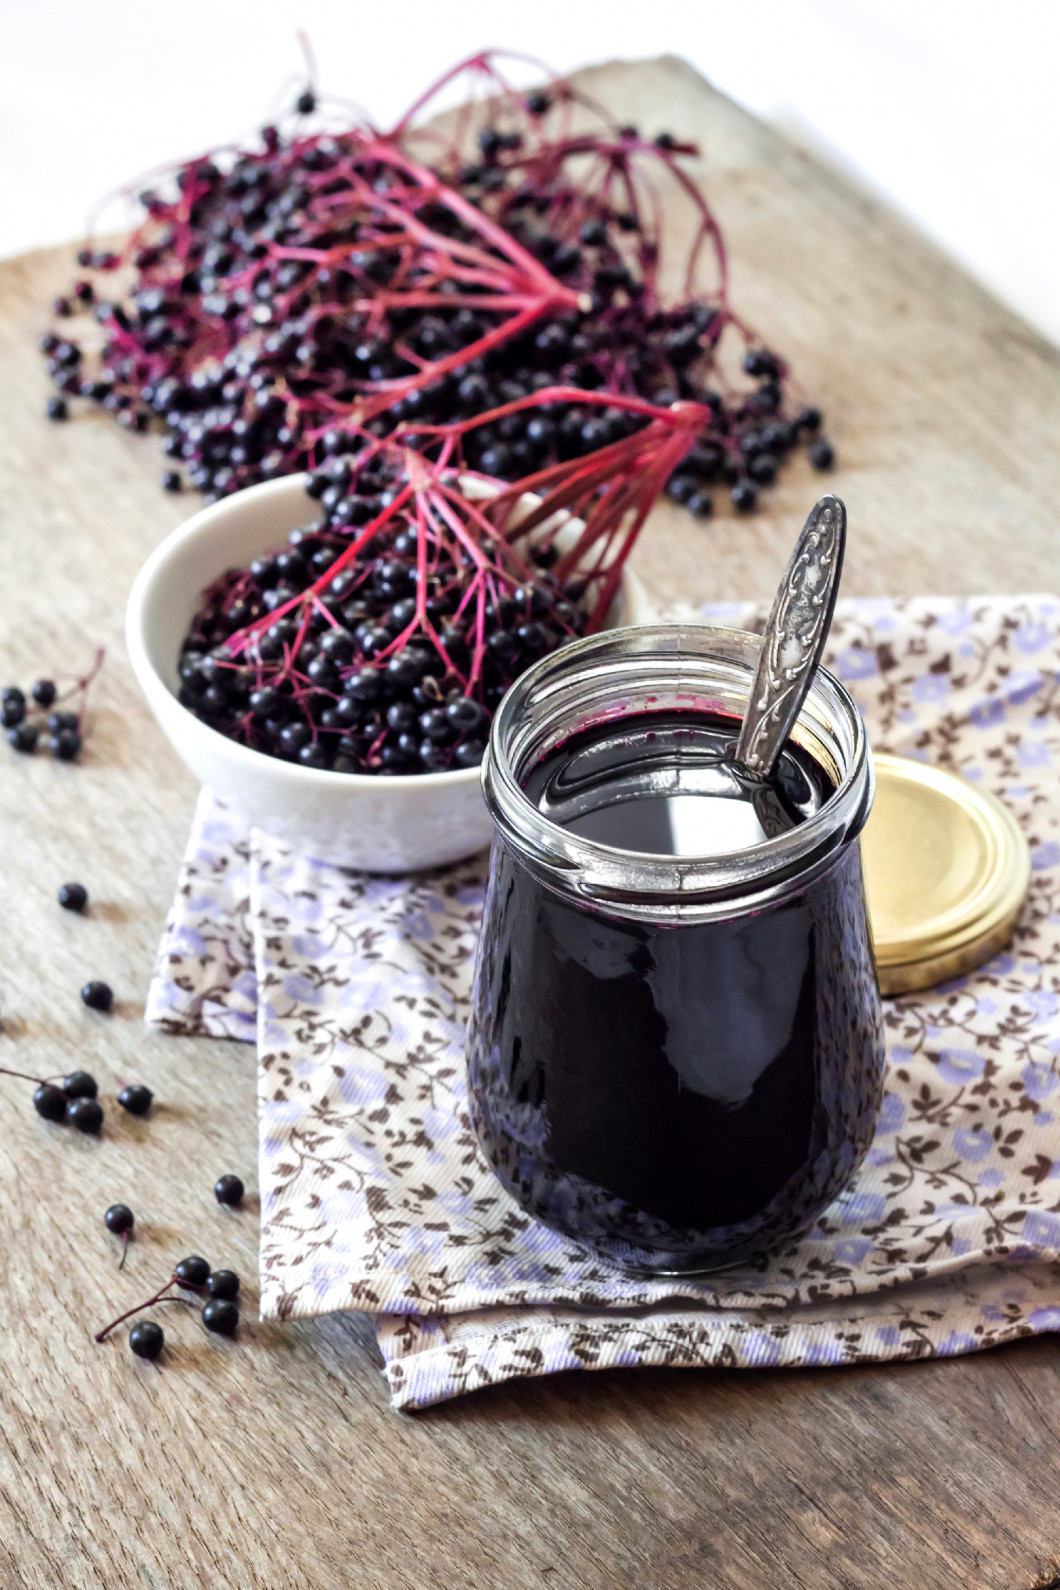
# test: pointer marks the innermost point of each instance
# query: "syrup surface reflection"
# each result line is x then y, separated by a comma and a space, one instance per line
683, 1095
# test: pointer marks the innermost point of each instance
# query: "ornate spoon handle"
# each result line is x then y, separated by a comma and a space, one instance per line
794, 638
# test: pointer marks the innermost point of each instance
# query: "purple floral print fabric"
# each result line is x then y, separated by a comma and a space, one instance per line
376, 1197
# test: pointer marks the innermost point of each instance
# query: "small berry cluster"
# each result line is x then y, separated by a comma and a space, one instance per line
23, 718
220, 1313
74, 1101
220, 1288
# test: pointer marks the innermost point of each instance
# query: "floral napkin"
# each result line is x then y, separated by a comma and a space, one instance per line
376, 1197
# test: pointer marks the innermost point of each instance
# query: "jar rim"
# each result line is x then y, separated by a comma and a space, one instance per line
547, 696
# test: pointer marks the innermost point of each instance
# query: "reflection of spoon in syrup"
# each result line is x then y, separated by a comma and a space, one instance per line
791, 649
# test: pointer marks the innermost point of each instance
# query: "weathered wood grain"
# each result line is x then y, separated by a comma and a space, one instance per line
273, 1462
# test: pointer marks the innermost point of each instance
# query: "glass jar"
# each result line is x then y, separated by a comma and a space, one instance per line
677, 1060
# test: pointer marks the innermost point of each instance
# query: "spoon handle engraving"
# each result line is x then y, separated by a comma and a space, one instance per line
794, 638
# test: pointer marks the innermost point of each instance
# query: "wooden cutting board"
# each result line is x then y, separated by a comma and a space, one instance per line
274, 1461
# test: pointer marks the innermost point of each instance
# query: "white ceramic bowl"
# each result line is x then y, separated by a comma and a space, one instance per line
350, 819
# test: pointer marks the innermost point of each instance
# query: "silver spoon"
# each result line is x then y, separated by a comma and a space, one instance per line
794, 638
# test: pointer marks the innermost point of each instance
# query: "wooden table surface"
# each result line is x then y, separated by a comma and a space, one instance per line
274, 1461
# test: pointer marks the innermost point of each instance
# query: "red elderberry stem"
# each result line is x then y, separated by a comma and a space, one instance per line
163, 1295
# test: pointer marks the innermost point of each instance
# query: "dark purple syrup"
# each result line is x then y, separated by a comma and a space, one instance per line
687, 1095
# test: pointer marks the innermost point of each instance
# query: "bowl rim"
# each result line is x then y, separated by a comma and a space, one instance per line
152, 576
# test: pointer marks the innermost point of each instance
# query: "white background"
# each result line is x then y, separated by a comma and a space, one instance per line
946, 107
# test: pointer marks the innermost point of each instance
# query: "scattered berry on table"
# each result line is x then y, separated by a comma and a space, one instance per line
80, 1085
56, 408
44, 692
73, 897
822, 455
85, 1114
192, 1271
147, 1339
119, 1218
50, 1102
97, 995
229, 1190
223, 1284
13, 711
220, 1315
136, 1098
24, 737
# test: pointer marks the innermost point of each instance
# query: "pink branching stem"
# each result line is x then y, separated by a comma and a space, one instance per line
165, 1294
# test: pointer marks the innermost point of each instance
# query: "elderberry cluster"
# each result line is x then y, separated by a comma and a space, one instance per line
22, 720
220, 1288
313, 687
244, 350
75, 1100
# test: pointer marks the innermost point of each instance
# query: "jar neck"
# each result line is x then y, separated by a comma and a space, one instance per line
659, 668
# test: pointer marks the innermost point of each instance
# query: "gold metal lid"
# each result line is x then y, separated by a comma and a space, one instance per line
946, 872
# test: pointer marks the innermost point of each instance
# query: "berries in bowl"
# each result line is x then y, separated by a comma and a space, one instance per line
326, 651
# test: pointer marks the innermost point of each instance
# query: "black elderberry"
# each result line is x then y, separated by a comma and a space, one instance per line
537, 103
223, 1284
80, 1085
406, 668
679, 488
136, 1098
119, 1218
12, 693
532, 637
306, 103
24, 737
56, 409
65, 745
192, 1271
809, 420
434, 757
436, 726
50, 1102
59, 721
172, 480
701, 504
97, 995
323, 672
763, 469
822, 455
44, 692
744, 495
73, 897
314, 756
463, 713
85, 1114
469, 754
221, 1315
264, 702
13, 711
293, 736
147, 1339
757, 362
503, 645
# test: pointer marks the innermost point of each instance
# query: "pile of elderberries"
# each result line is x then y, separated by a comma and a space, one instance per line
320, 277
